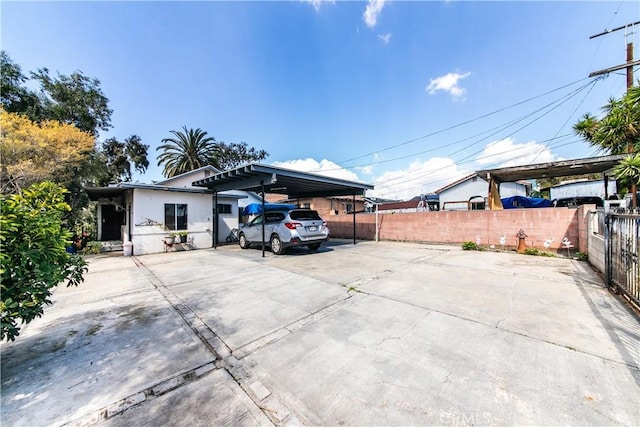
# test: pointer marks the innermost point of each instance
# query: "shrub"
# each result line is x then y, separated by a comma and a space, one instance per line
93, 247
469, 246
33, 258
536, 252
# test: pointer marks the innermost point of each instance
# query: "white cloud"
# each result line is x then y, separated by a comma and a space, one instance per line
370, 15
317, 3
367, 170
506, 152
448, 83
385, 37
419, 178
324, 167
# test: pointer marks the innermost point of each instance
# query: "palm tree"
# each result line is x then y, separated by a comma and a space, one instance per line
618, 132
628, 170
188, 150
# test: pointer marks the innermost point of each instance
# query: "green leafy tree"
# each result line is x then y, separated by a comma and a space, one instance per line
33, 259
14, 96
229, 156
121, 156
75, 99
187, 150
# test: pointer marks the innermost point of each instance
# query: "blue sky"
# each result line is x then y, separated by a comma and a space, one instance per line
342, 87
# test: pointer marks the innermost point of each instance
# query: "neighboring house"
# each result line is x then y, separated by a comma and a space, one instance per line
145, 214
582, 188
471, 193
417, 204
328, 206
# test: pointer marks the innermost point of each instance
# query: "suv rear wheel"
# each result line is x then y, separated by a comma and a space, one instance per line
276, 245
314, 247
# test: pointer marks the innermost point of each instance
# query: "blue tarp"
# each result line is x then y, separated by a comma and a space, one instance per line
256, 208
516, 202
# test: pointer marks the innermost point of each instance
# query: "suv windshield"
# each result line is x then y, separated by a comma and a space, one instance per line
304, 215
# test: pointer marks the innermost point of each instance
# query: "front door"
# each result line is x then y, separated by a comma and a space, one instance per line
111, 223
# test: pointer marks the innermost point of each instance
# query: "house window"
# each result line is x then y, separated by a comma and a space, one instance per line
175, 216
224, 208
349, 207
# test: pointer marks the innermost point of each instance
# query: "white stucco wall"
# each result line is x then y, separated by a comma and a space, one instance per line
149, 205
477, 186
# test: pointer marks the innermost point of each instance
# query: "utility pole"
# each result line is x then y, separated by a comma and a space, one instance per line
629, 66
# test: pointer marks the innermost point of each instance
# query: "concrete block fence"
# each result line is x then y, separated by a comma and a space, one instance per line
487, 227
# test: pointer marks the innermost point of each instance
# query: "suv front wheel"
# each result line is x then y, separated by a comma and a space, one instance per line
276, 245
244, 244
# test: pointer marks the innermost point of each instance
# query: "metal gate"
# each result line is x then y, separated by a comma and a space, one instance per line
622, 241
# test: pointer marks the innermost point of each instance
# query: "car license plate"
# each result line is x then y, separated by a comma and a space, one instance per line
312, 228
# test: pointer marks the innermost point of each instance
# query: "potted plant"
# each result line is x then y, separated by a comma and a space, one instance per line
170, 239
183, 236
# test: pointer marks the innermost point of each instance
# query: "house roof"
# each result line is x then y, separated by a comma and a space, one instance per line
453, 184
97, 193
191, 172
552, 169
278, 180
409, 204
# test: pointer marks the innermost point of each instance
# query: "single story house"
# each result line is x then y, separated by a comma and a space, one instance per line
327, 206
470, 193
145, 214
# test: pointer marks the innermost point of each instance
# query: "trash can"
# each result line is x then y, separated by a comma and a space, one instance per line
127, 248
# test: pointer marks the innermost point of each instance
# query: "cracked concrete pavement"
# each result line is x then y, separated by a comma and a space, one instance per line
372, 334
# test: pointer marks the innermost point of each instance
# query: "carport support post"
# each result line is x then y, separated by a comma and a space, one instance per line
354, 219
215, 220
263, 215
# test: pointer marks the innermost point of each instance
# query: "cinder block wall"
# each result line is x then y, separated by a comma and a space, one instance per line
461, 226
596, 242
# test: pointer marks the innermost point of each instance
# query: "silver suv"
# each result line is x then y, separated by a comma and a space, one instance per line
283, 229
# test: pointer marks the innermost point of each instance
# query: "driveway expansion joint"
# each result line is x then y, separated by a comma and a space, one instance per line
278, 334
273, 407
145, 395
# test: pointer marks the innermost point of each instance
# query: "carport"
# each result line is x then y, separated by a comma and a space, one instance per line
271, 179
546, 170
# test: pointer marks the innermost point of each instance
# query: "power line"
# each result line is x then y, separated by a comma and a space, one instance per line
423, 184
462, 123
493, 131
566, 99
569, 117
392, 182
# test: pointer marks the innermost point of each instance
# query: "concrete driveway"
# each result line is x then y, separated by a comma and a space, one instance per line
371, 334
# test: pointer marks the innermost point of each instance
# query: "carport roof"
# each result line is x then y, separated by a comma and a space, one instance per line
278, 180
552, 169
